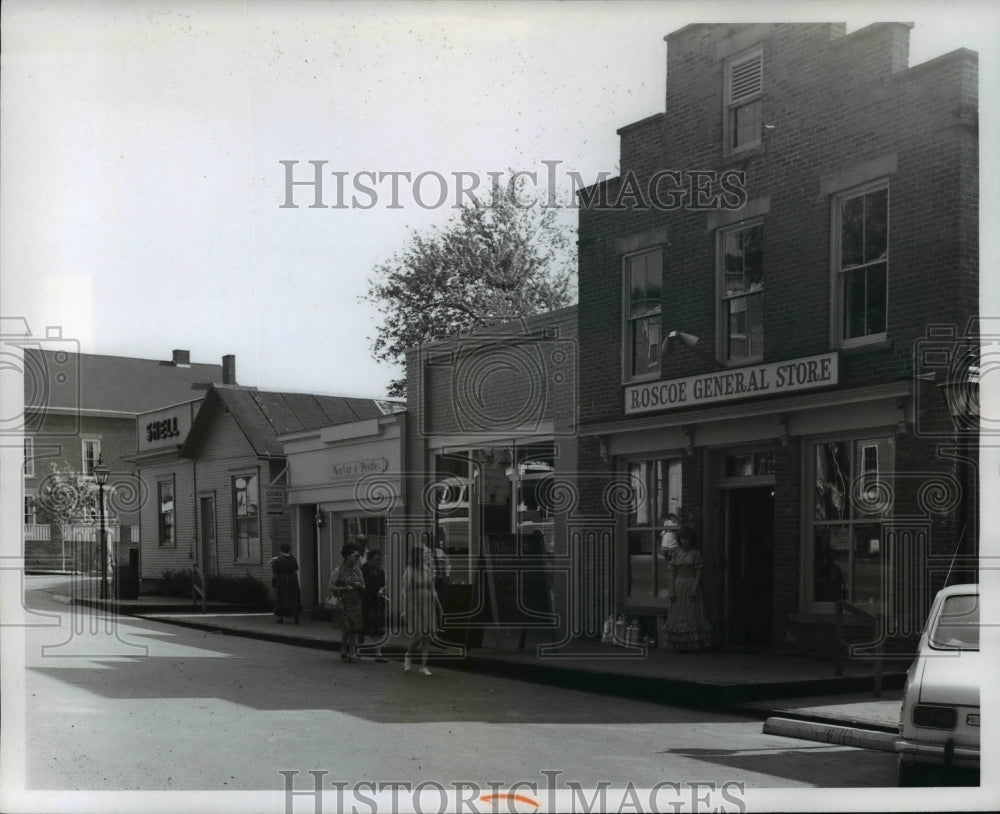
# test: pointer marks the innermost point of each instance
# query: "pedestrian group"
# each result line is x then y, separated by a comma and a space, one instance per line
363, 605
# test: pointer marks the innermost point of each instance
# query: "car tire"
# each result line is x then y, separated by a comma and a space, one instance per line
910, 774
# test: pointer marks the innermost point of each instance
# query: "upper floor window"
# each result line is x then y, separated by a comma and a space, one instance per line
744, 83
29, 457
861, 263
91, 455
643, 273
742, 285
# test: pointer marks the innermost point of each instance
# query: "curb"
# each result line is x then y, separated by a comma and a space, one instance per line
688, 694
831, 733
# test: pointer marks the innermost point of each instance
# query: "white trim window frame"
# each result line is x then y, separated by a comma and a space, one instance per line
860, 245
744, 87
90, 454
642, 292
29, 457
740, 262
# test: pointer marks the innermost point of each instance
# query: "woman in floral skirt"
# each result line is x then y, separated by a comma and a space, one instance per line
348, 583
686, 628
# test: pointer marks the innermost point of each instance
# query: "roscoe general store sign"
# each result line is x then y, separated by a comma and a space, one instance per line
772, 379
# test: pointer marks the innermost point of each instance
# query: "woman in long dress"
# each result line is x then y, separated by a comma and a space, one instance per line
288, 601
421, 609
686, 628
348, 583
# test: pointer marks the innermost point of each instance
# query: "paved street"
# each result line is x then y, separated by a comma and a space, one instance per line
143, 705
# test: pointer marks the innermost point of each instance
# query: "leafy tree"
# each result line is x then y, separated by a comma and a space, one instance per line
65, 496
500, 259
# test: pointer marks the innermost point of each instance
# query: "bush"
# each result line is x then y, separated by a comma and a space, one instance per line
245, 590
175, 583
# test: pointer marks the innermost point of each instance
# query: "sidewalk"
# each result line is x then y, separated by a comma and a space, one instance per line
769, 685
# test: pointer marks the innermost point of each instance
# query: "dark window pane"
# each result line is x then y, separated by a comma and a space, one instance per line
637, 293
851, 231
640, 572
876, 223
875, 295
753, 256
867, 582
830, 563
755, 325
654, 270
854, 303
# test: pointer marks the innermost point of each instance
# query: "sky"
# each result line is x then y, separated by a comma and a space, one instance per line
142, 183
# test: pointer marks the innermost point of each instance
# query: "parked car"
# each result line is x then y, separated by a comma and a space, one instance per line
939, 720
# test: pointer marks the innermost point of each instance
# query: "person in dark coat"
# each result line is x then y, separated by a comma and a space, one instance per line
288, 601
374, 604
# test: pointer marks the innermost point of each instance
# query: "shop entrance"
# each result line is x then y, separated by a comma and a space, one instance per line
749, 536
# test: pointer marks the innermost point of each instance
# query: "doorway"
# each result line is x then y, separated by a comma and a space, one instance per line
749, 571
209, 551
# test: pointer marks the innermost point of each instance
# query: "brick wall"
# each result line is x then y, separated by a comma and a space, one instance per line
832, 104
838, 111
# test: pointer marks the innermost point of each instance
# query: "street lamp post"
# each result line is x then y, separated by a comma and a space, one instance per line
101, 473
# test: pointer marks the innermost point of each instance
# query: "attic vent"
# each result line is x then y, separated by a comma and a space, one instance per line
746, 78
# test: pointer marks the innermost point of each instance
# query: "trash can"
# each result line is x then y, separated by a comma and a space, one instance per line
126, 577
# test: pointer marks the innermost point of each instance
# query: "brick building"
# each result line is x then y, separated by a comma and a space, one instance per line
490, 452
770, 294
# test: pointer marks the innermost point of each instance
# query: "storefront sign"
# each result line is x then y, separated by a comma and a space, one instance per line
355, 469
275, 499
164, 428
772, 379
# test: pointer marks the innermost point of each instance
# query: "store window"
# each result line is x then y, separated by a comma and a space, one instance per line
652, 523
744, 78
852, 505
372, 528
861, 263
741, 254
643, 302
246, 519
165, 513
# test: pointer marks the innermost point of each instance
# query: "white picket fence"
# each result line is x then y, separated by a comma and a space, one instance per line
37, 531
78, 549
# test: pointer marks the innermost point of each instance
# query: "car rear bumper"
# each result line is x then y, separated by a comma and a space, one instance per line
939, 754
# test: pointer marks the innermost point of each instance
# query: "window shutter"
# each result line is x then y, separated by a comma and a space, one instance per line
746, 78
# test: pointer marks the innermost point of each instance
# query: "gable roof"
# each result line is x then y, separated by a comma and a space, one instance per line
58, 380
264, 415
